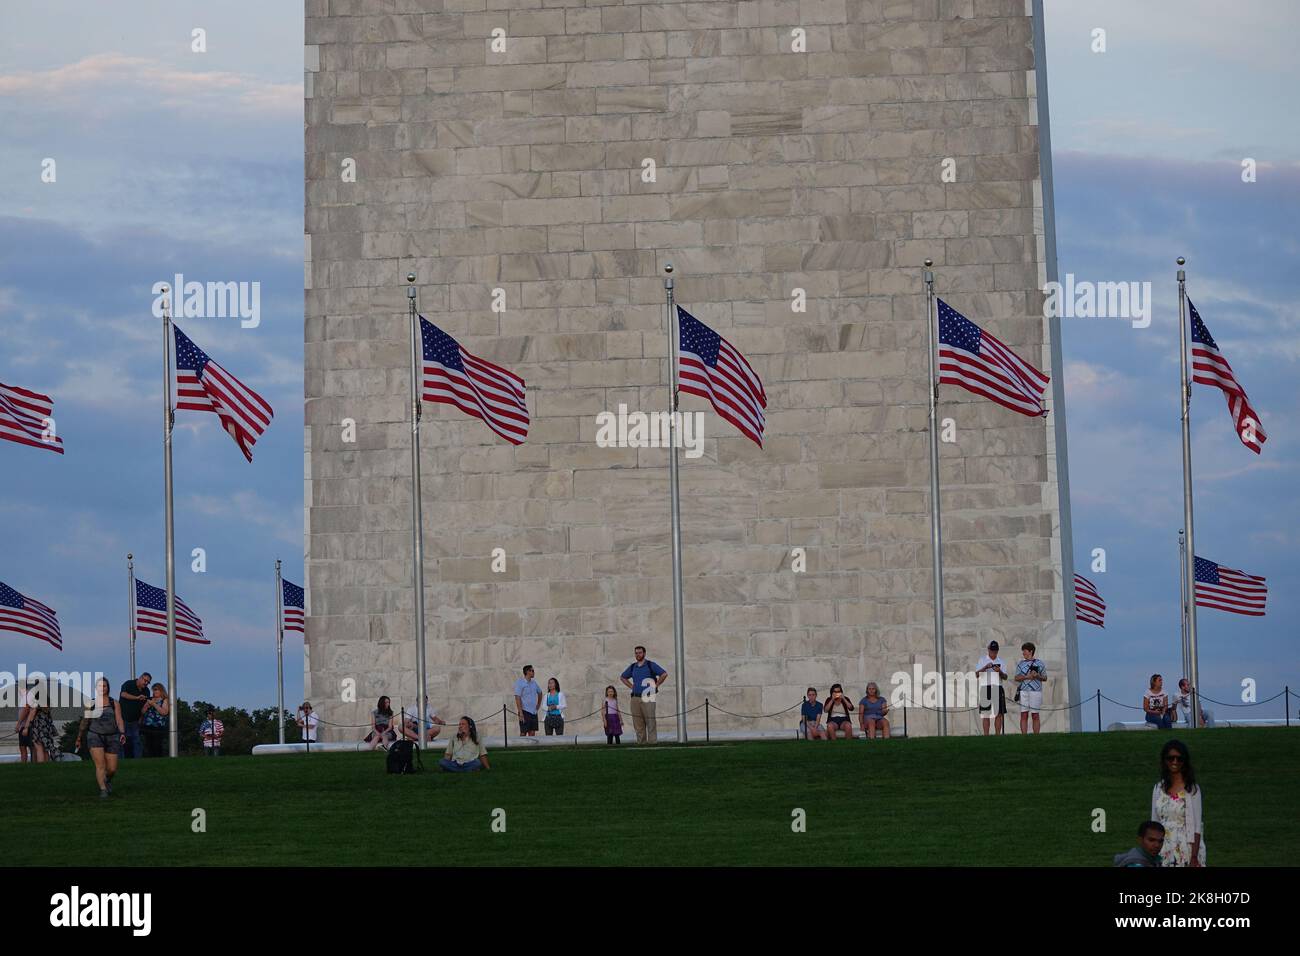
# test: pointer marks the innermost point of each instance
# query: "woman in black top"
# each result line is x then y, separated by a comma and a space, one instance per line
839, 713
105, 735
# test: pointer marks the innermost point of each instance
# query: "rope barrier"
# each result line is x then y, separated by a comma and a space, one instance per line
1257, 703
754, 716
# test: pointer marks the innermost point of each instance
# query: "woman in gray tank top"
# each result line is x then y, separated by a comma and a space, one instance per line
104, 733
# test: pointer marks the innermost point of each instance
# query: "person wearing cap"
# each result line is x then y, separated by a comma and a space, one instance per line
991, 671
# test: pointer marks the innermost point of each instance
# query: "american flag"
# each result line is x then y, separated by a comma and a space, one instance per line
204, 386
1088, 605
1209, 367
1227, 590
295, 607
979, 363
452, 376
709, 366
22, 417
22, 615
151, 615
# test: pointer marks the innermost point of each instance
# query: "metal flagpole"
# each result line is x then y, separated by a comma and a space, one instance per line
279, 651
169, 531
679, 636
936, 532
1189, 554
417, 520
1182, 602
130, 606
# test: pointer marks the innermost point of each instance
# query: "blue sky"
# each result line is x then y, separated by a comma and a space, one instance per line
174, 161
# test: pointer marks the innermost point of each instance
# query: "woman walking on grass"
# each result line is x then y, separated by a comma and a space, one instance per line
105, 735
43, 734
1176, 804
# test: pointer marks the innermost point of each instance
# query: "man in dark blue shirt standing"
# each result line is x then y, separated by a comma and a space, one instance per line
644, 677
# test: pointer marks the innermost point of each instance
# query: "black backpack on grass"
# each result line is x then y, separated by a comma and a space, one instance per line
403, 757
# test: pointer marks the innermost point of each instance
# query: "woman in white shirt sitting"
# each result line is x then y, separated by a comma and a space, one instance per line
1155, 702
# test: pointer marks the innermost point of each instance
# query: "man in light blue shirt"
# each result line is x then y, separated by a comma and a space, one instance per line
528, 697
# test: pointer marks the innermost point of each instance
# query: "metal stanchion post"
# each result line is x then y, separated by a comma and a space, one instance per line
1098, 710
505, 727
706, 720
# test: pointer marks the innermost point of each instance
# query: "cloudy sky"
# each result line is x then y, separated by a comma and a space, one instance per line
169, 161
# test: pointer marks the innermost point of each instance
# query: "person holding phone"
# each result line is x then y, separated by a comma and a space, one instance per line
104, 732
1030, 674
839, 714
991, 671
873, 713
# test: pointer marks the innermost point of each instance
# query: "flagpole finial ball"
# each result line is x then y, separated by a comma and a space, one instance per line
929, 263
1182, 261
129, 556
668, 267
410, 277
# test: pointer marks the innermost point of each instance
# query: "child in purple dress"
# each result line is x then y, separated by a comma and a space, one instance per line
610, 717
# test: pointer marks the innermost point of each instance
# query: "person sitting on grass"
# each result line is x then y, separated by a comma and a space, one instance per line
381, 725
104, 731
839, 714
465, 752
811, 714
1155, 702
872, 713
1151, 837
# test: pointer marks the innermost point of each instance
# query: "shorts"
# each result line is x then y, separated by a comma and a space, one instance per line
1031, 701
838, 720
24, 740
554, 724
527, 722
109, 743
986, 701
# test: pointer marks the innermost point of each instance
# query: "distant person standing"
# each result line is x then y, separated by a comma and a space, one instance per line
307, 722
104, 731
131, 699
1030, 674
212, 730
27, 705
610, 719
1155, 703
555, 704
991, 671
1176, 805
644, 677
528, 697
154, 723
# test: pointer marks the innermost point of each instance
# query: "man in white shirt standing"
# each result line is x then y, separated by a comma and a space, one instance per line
991, 673
307, 722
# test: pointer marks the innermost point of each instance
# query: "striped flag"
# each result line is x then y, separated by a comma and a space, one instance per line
23, 416
452, 376
204, 386
151, 615
709, 366
295, 607
1088, 605
979, 363
22, 615
1209, 367
1227, 590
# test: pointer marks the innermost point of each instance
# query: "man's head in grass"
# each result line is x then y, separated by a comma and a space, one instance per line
1151, 837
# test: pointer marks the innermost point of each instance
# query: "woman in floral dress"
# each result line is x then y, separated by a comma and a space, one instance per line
1176, 803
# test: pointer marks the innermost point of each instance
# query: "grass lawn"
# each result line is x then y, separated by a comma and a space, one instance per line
960, 801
